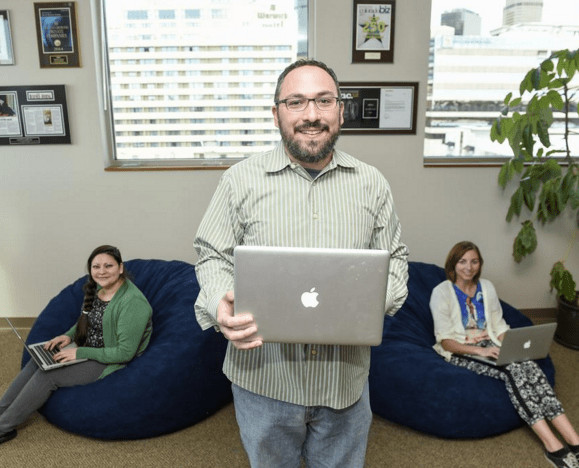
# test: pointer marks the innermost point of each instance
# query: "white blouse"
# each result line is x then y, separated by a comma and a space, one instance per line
447, 316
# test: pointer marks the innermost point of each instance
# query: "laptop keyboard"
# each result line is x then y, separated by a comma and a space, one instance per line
46, 355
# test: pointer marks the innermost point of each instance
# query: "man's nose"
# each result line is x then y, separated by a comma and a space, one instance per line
311, 110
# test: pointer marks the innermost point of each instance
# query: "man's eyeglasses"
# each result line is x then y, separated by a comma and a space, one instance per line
299, 104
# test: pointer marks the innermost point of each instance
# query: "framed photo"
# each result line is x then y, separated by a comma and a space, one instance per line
373, 34
57, 34
33, 115
6, 51
379, 108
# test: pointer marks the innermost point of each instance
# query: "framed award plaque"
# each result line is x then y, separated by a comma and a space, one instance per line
57, 34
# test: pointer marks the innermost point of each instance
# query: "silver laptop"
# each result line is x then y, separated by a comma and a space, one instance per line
523, 344
316, 296
42, 357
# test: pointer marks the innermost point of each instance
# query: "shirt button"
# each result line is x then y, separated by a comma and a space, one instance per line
315, 216
314, 352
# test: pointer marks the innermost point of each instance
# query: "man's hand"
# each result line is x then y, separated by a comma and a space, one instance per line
241, 329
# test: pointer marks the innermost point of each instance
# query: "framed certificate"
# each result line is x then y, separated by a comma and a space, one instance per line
373, 34
387, 107
6, 51
57, 34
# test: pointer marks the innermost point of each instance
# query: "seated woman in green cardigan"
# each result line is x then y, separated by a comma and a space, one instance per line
113, 328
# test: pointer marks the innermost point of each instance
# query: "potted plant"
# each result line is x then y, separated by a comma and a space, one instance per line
546, 177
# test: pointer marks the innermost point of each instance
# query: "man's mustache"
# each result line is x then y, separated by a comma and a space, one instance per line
309, 125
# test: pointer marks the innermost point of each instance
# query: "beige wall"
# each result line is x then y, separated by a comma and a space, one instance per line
57, 202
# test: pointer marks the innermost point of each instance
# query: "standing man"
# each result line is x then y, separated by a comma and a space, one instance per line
295, 400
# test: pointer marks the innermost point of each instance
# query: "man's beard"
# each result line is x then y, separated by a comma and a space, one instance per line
308, 153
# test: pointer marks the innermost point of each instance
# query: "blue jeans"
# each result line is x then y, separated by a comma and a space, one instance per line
277, 434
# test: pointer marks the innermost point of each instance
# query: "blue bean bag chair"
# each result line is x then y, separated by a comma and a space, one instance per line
176, 383
411, 385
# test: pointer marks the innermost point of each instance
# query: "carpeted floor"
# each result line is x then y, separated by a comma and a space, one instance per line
215, 441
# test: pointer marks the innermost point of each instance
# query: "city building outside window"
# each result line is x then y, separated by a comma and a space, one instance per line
479, 52
194, 86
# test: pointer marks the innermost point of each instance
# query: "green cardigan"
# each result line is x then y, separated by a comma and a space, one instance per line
127, 329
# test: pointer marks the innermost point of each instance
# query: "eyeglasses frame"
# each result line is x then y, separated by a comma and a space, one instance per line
284, 101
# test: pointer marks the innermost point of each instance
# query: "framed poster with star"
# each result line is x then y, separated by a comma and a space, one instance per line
373, 35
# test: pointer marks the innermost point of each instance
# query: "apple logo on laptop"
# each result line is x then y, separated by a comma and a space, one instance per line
310, 299
527, 344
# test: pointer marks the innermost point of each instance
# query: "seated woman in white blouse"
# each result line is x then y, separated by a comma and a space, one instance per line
468, 319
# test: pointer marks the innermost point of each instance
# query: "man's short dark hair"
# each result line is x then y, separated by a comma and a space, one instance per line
305, 63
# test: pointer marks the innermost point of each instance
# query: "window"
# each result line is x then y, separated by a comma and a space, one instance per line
479, 52
166, 14
195, 14
196, 94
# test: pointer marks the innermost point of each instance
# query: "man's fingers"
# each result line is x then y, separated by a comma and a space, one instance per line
248, 344
236, 321
240, 334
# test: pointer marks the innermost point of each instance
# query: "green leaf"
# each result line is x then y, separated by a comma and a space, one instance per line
543, 132
527, 140
556, 99
518, 165
570, 69
527, 83
496, 131
562, 281
569, 183
505, 174
550, 202
525, 242
507, 99
530, 188
547, 65
516, 204
536, 78
515, 102
560, 66
548, 170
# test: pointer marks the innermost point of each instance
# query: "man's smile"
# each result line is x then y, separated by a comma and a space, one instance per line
312, 129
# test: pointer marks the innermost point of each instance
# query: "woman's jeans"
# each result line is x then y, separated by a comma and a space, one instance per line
33, 387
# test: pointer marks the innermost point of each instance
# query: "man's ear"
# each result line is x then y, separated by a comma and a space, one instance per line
274, 111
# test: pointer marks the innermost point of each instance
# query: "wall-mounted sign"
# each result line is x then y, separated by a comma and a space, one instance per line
388, 108
373, 34
57, 34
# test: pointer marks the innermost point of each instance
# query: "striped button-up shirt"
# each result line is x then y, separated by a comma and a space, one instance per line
269, 200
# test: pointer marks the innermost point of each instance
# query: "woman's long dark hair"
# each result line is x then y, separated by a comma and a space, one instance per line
90, 291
